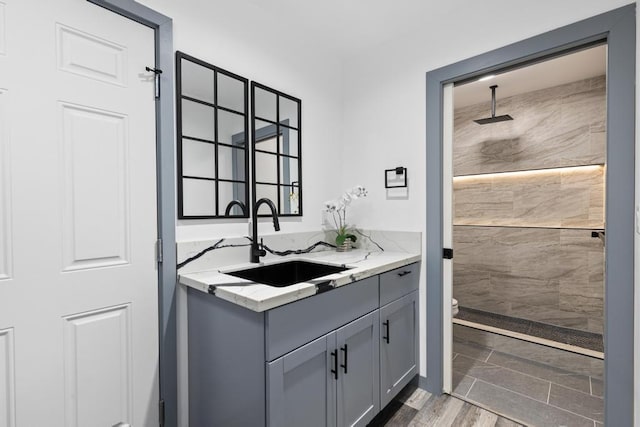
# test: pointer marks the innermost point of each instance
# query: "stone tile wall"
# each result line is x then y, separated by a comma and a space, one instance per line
555, 127
522, 241
547, 275
550, 198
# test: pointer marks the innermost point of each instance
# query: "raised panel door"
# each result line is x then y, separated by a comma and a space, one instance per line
78, 276
358, 384
398, 346
301, 386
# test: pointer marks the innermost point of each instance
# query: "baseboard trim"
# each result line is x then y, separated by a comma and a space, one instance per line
422, 382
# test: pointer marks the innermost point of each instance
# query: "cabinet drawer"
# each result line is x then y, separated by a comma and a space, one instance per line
292, 325
399, 282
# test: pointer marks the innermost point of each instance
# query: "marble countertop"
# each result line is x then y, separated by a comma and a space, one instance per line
259, 297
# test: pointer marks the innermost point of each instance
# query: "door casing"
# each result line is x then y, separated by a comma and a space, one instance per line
617, 27
165, 161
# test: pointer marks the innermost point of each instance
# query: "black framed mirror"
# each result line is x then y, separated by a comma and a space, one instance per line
277, 147
213, 152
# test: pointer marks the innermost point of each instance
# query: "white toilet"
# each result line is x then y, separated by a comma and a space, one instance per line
454, 306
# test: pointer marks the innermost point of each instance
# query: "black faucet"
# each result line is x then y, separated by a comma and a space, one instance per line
233, 203
257, 250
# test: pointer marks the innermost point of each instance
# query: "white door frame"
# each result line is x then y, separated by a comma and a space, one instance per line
165, 177
447, 236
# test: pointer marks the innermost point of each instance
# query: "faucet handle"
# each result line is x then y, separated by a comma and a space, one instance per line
259, 249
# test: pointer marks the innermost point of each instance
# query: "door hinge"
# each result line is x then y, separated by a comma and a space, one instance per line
161, 409
159, 251
447, 253
157, 72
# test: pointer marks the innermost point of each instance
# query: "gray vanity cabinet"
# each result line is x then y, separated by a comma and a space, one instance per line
398, 345
332, 381
319, 361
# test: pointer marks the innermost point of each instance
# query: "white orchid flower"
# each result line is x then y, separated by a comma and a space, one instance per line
338, 210
330, 206
358, 191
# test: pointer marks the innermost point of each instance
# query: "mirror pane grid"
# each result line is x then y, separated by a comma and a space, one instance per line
198, 120
229, 195
231, 165
230, 93
198, 159
269, 191
288, 112
265, 104
231, 128
277, 147
213, 132
197, 81
288, 141
199, 197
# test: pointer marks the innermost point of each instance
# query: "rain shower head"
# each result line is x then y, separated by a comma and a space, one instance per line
493, 118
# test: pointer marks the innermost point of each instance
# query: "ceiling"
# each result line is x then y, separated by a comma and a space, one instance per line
348, 27
565, 69
441, 30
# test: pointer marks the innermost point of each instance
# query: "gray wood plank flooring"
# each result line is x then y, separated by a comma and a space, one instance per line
529, 383
415, 407
533, 384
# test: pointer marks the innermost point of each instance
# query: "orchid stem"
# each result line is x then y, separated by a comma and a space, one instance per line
333, 214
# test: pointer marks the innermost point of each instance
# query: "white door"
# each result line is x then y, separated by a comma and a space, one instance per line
78, 278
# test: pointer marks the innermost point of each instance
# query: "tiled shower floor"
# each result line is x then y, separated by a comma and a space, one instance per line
534, 384
584, 339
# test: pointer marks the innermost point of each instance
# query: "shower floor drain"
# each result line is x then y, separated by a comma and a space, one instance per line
588, 340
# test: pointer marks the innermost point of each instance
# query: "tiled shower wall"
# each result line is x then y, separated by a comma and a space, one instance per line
552, 276
523, 244
554, 127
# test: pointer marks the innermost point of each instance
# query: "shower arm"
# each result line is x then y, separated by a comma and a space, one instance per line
493, 100
493, 118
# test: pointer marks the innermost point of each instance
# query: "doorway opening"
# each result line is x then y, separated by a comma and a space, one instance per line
528, 231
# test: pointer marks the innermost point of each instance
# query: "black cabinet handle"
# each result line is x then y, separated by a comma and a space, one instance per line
334, 354
386, 326
404, 273
346, 354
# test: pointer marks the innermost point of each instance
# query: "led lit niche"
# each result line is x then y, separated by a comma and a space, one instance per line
533, 172
526, 210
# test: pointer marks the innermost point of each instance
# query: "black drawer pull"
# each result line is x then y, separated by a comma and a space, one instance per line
334, 354
386, 327
404, 273
346, 354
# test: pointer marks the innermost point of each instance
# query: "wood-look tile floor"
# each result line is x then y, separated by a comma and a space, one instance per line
535, 393
418, 408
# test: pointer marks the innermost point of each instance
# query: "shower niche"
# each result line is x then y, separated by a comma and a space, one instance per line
528, 201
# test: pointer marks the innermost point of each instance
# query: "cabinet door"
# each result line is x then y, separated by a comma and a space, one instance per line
301, 386
398, 345
358, 391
